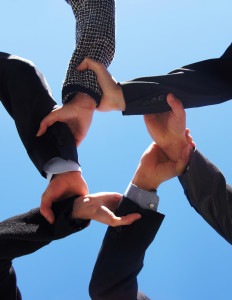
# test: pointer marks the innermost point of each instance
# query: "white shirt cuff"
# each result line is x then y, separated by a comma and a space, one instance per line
143, 198
59, 165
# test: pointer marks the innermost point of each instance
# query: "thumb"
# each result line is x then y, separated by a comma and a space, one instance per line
176, 106
47, 121
88, 63
53, 192
125, 220
46, 210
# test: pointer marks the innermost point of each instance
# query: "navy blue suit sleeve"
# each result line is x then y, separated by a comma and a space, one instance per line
203, 83
26, 96
122, 253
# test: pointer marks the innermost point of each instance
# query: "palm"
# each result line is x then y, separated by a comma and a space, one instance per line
155, 167
168, 129
101, 207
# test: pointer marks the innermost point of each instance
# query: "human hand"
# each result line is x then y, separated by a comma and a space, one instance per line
155, 167
168, 129
77, 114
112, 98
101, 207
62, 186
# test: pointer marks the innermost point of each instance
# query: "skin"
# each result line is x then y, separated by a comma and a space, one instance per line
170, 155
153, 169
61, 186
77, 114
101, 207
167, 129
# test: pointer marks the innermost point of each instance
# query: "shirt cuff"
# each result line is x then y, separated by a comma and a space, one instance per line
143, 198
59, 165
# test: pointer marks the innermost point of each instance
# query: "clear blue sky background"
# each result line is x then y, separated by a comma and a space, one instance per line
187, 260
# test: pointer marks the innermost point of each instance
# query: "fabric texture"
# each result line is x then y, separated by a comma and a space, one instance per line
95, 38
28, 232
122, 253
203, 83
26, 96
208, 193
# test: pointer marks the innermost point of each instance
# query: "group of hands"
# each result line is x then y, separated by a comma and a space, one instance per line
165, 158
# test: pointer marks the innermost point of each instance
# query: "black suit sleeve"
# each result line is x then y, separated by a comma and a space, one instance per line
121, 256
203, 83
26, 96
207, 191
28, 232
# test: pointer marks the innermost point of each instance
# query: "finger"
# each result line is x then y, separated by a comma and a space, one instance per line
107, 197
125, 220
106, 216
87, 63
52, 192
189, 138
104, 78
46, 122
83, 66
46, 211
176, 106
190, 141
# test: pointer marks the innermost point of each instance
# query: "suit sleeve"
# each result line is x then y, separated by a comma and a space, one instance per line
95, 38
207, 191
27, 233
122, 253
203, 83
26, 96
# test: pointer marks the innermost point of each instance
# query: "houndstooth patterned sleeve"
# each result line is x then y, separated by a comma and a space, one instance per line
95, 38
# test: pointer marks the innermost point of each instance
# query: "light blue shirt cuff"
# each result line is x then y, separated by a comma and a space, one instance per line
143, 198
59, 165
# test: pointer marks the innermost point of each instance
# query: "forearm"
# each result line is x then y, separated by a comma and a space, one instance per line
28, 232
203, 83
210, 195
95, 38
26, 96
121, 256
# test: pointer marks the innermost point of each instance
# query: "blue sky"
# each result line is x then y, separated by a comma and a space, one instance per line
187, 260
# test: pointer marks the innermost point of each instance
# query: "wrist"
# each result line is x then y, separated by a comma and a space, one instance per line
83, 101
118, 100
144, 182
174, 150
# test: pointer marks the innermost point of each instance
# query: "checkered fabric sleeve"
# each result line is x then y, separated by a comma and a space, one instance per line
95, 38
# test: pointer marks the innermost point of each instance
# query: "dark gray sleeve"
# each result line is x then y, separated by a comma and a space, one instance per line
95, 38
122, 253
207, 191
